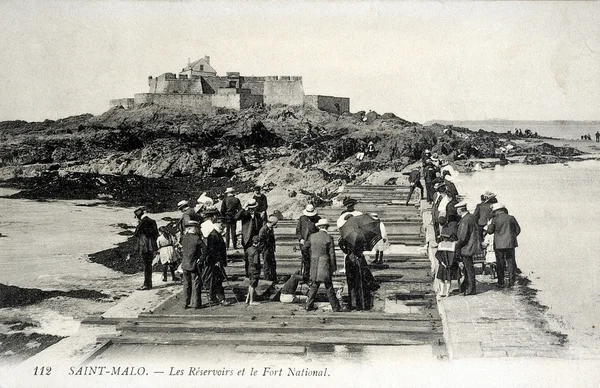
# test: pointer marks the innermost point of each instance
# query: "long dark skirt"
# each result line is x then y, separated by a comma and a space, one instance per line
361, 282
448, 265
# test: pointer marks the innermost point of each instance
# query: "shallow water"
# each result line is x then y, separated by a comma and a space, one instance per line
557, 208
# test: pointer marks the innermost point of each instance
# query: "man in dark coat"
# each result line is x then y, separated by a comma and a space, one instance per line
305, 227
414, 180
261, 201
450, 186
146, 234
429, 173
187, 214
193, 262
216, 263
448, 219
505, 229
468, 245
483, 211
229, 208
321, 249
266, 248
252, 221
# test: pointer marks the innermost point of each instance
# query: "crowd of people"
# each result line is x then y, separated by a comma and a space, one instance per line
204, 233
589, 137
488, 235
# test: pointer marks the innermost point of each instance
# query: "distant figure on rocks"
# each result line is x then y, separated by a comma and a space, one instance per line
468, 245
261, 201
321, 248
146, 234
597, 137
252, 221
193, 264
266, 248
305, 227
166, 250
229, 208
414, 180
505, 229
370, 151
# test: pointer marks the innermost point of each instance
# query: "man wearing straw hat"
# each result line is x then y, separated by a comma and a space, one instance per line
321, 249
229, 208
305, 227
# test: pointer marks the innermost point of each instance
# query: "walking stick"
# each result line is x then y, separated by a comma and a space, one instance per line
228, 284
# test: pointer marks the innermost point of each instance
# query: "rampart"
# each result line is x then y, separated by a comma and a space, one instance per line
126, 103
198, 102
328, 103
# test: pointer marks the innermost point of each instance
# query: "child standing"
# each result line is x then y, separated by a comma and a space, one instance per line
166, 251
254, 268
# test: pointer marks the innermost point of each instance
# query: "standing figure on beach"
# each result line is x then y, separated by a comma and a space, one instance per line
229, 208
505, 229
321, 249
266, 248
305, 227
414, 180
383, 244
146, 234
597, 137
262, 203
252, 221
166, 250
468, 245
193, 263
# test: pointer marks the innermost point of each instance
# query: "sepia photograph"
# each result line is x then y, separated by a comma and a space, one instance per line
299, 193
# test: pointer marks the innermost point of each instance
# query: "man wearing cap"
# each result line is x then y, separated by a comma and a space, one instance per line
193, 263
483, 211
505, 229
266, 248
187, 214
468, 245
252, 221
261, 201
305, 227
229, 208
146, 234
414, 180
216, 262
321, 249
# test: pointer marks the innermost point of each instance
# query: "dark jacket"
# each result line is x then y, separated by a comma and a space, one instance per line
261, 201
251, 224
193, 249
216, 249
505, 229
266, 240
449, 222
322, 256
146, 233
306, 226
429, 172
414, 177
187, 215
450, 188
483, 212
230, 207
469, 240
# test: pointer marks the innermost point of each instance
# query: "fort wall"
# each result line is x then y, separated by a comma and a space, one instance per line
126, 103
328, 103
283, 90
198, 102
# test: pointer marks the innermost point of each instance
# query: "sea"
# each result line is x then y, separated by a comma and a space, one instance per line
570, 130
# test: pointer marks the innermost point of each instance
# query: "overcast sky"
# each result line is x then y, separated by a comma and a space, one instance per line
420, 60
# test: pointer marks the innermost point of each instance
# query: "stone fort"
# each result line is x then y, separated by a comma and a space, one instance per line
199, 87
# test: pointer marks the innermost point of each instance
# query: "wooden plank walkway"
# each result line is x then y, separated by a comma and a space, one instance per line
404, 309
